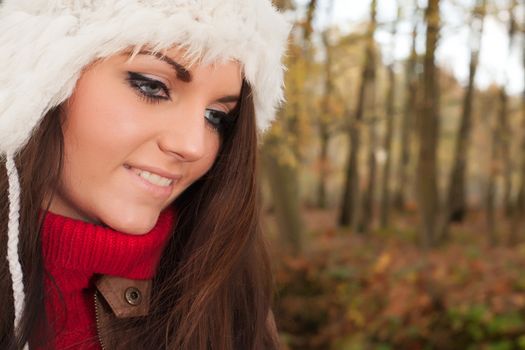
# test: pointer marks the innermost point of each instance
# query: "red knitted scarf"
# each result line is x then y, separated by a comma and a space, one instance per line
75, 252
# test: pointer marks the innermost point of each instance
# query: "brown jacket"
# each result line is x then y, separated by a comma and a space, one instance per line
122, 297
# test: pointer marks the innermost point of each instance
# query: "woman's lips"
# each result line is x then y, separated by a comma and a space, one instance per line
161, 192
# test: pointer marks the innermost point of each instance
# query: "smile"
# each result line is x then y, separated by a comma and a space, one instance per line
152, 178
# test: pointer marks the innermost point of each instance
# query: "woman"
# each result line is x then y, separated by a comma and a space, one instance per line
128, 136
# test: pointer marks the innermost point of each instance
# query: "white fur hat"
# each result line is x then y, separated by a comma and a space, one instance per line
44, 44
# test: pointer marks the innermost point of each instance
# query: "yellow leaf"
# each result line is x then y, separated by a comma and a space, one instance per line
382, 263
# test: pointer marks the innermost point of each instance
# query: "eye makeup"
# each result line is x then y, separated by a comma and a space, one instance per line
215, 118
220, 120
155, 91
152, 90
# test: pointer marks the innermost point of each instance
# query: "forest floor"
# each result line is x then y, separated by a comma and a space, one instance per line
383, 291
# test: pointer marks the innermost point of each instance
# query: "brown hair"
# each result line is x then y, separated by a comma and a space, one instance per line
42, 162
213, 287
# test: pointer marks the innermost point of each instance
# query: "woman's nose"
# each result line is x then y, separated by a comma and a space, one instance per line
184, 135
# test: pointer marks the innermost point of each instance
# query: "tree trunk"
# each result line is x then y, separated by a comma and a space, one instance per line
504, 123
350, 201
519, 206
308, 28
407, 124
491, 214
370, 117
390, 116
285, 198
456, 205
491, 189
324, 137
283, 177
367, 216
350, 214
428, 132
324, 122
504, 144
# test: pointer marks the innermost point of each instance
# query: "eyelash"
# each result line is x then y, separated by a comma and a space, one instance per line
138, 82
221, 119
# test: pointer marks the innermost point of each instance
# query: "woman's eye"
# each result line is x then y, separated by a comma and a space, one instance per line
215, 118
151, 89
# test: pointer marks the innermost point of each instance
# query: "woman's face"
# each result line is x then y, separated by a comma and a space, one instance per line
137, 133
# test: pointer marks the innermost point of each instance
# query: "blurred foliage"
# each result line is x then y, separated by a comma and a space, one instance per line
381, 292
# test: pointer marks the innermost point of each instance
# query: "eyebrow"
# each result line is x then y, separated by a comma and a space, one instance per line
228, 99
182, 72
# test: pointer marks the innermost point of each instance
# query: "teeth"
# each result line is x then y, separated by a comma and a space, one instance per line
154, 178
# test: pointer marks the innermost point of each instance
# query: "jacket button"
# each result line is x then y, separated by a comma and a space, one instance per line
133, 296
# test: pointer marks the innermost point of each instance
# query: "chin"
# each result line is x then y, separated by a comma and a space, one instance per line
133, 224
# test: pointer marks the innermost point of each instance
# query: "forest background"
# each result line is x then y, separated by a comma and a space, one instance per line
394, 178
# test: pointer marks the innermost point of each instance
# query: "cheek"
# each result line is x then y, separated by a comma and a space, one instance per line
208, 161
103, 123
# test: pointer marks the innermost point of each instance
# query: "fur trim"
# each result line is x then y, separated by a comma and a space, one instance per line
46, 43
